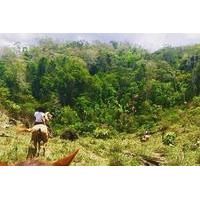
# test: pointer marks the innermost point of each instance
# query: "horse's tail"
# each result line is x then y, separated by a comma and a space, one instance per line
23, 129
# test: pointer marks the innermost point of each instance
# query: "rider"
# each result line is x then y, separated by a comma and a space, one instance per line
40, 119
39, 116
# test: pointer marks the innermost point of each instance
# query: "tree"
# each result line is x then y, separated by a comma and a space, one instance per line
196, 79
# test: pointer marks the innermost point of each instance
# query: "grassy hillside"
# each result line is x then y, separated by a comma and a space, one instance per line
124, 149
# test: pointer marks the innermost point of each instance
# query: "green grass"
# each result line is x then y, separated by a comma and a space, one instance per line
123, 150
126, 150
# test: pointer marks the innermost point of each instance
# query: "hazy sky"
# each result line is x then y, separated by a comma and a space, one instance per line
148, 41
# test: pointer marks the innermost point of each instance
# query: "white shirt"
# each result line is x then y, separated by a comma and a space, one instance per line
39, 116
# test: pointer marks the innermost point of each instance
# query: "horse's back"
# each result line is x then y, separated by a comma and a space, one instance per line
40, 127
40, 133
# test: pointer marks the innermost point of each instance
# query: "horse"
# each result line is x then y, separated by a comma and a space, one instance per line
66, 161
39, 138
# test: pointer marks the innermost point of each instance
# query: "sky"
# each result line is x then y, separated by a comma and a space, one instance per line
149, 41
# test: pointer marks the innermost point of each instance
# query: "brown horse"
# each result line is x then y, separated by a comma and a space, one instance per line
34, 162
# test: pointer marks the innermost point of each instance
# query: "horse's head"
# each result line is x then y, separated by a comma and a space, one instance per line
48, 116
61, 162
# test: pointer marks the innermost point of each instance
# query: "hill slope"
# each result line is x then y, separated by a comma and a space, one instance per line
123, 149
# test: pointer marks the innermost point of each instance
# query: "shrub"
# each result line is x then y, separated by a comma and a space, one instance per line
85, 127
126, 123
104, 132
13, 108
69, 134
67, 116
169, 138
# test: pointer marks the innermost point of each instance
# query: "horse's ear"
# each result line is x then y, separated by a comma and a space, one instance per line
3, 164
65, 161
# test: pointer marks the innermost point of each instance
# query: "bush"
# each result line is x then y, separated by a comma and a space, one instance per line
13, 108
104, 132
69, 134
126, 123
85, 127
169, 138
67, 116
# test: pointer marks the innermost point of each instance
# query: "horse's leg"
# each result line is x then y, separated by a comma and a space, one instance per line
34, 140
31, 150
45, 140
44, 149
35, 147
39, 146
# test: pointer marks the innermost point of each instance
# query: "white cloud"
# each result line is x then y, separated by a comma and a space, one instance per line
149, 41
4, 42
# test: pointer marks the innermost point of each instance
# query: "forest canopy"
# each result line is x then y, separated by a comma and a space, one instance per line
87, 86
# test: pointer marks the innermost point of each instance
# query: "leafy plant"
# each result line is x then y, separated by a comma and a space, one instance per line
169, 138
104, 132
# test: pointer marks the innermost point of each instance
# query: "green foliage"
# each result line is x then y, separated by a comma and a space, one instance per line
86, 85
12, 107
104, 132
85, 128
120, 149
169, 138
196, 101
67, 116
